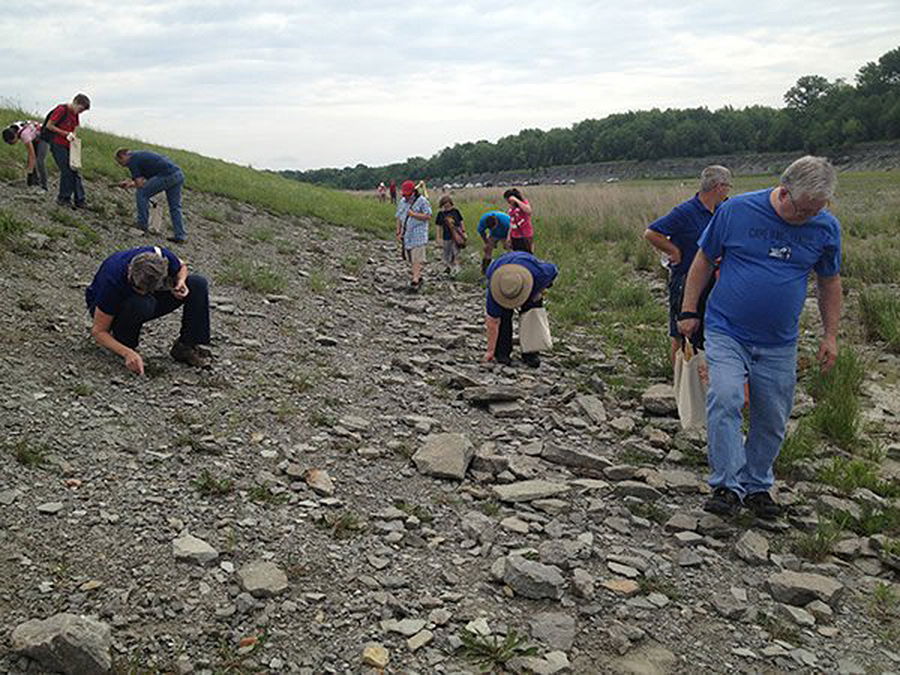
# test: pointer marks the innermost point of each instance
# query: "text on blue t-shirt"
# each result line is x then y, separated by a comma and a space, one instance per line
765, 266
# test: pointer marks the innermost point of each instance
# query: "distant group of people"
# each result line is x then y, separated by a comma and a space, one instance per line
737, 287
515, 281
151, 173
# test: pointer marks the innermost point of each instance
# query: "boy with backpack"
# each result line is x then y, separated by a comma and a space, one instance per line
58, 131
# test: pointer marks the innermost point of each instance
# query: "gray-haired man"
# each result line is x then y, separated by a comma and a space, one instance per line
769, 241
141, 284
676, 235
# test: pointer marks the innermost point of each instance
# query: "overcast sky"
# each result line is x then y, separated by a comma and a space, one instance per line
293, 84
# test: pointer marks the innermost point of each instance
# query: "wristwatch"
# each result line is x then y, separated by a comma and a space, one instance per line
688, 315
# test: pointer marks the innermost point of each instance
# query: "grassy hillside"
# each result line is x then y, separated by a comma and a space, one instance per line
214, 176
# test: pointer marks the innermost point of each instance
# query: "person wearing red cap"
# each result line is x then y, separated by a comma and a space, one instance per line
413, 215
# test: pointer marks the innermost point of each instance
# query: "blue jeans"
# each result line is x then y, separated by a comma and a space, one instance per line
172, 184
69, 180
746, 466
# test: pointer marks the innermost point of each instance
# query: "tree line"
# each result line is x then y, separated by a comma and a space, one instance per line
818, 116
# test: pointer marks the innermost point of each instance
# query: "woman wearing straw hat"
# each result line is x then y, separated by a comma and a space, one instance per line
515, 280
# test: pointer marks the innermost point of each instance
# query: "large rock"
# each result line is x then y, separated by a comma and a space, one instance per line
799, 588
444, 456
485, 395
528, 490
554, 629
262, 579
193, 549
66, 643
659, 399
533, 579
753, 548
576, 459
593, 407
632, 488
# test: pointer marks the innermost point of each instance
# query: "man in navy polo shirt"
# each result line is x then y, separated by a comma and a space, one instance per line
768, 241
151, 174
516, 280
141, 284
676, 234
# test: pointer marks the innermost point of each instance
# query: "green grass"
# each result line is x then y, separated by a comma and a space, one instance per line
491, 653
837, 412
797, 450
818, 544
11, 228
261, 188
261, 494
849, 474
210, 486
880, 312
29, 455
342, 525
253, 276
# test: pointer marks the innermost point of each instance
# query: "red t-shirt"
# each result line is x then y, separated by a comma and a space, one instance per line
66, 119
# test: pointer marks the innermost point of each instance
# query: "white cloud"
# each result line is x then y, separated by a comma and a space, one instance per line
306, 84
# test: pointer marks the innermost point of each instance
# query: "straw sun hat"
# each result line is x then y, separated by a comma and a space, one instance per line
511, 285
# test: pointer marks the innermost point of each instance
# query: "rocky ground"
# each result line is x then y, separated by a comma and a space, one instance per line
349, 489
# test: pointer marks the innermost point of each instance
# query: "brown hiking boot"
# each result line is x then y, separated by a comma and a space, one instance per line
189, 354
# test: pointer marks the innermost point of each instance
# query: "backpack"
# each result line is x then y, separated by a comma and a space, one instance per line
46, 134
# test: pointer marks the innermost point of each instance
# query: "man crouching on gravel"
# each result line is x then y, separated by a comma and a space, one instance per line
141, 284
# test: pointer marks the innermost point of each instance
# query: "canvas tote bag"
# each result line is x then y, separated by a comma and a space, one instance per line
534, 331
75, 153
155, 224
690, 390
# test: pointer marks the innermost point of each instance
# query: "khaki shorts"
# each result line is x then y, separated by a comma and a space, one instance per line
416, 254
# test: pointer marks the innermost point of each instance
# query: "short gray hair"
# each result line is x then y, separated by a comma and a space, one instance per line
810, 176
713, 175
147, 272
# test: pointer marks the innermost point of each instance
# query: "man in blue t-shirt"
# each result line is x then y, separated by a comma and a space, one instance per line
675, 235
493, 227
151, 174
515, 280
768, 241
142, 284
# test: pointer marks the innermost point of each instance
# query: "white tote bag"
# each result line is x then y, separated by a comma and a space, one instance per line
690, 388
75, 153
534, 331
155, 226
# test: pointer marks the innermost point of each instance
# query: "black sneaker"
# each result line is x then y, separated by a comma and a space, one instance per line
176, 240
532, 360
762, 505
724, 502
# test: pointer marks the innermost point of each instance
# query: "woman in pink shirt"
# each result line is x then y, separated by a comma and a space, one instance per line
521, 233
29, 133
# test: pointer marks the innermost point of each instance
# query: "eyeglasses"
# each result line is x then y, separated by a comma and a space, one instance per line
807, 211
